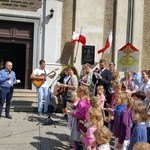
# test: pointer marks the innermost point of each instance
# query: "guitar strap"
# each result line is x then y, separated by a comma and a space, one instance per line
45, 73
67, 83
68, 80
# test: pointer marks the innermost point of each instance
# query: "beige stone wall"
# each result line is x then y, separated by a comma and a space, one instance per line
97, 21
26, 5
121, 26
108, 25
96, 27
67, 29
90, 17
146, 37
137, 35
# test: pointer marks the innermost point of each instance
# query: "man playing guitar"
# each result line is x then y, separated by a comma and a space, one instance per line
38, 77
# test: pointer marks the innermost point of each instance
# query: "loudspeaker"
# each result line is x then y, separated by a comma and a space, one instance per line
88, 54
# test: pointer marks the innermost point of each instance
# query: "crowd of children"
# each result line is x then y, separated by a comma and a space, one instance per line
104, 108
128, 118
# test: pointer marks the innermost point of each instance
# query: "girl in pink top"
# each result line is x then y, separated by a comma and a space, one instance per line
79, 114
95, 121
100, 94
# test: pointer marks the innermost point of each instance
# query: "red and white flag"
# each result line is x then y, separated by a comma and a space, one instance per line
107, 44
76, 37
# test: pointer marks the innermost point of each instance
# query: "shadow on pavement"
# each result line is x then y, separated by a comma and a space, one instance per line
44, 120
44, 143
61, 137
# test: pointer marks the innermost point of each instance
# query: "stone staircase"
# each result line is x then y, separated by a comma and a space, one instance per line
24, 100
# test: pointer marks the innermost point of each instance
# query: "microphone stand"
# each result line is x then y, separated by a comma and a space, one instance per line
49, 120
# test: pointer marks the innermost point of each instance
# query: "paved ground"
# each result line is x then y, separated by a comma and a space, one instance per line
26, 131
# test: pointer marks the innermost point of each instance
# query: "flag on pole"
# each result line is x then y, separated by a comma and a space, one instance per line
76, 37
107, 44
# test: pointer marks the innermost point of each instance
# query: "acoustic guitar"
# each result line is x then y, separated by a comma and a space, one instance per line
39, 82
59, 89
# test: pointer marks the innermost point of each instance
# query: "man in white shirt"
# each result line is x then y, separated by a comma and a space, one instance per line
39, 79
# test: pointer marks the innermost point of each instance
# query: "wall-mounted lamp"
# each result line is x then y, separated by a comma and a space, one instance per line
51, 12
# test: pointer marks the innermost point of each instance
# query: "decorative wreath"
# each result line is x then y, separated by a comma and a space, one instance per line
67, 67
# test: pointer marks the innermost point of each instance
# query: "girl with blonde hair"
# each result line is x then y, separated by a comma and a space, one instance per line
116, 88
96, 121
80, 113
141, 146
102, 137
94, 101
115, 76
101, 96
122, 121
71, 119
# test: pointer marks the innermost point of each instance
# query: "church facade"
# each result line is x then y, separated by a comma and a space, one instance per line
31, 30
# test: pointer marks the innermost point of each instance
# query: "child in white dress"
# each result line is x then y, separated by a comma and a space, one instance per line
71, 120
101, 96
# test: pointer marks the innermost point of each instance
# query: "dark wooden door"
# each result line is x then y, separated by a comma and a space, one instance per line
16, 40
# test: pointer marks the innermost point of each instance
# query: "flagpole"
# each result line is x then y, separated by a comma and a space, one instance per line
102, 54
104, 51
77, 47
110, 43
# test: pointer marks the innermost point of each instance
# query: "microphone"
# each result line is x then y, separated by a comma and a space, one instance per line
95, 70
9, 72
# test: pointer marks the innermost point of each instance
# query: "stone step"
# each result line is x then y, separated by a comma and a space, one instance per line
24, 100
23, 108
24, 97
17, 94
21, 92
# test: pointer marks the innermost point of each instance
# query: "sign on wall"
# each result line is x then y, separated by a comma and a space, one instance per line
88, 54
128, 58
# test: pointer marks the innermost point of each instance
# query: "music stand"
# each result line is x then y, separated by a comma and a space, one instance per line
49, 120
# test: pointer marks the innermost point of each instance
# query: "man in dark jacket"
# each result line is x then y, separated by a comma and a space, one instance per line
102, 77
